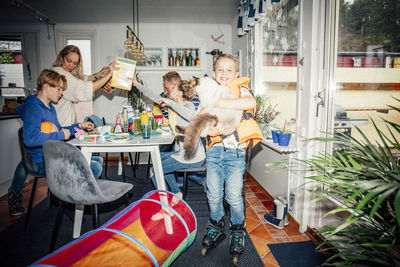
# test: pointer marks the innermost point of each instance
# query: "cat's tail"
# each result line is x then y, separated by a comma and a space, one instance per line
194, 131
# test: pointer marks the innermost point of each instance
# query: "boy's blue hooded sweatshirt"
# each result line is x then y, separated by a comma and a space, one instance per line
33, 112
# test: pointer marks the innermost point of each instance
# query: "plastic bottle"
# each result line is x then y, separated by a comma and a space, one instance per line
130, 124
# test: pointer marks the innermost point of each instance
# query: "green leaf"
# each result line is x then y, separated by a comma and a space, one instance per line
397, 207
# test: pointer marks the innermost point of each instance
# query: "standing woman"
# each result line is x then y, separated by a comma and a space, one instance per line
77, 98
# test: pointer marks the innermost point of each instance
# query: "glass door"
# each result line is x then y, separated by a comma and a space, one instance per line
278, 40
367, 66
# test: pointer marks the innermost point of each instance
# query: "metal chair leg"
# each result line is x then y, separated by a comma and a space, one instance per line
132, 165
95, 216
57, 224
185, 185
148, 167
137, 159
105, 171
123, 167
28, 214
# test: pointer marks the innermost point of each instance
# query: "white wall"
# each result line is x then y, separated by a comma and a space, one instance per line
109, 43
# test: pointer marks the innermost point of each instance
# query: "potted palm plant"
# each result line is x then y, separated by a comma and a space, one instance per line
265, 114
365, 176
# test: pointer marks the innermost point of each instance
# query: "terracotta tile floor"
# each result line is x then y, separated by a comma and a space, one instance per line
258, 203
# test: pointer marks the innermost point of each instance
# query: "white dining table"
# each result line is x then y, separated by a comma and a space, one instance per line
133, 143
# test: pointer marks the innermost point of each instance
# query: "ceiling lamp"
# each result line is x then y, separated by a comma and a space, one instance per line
133, 45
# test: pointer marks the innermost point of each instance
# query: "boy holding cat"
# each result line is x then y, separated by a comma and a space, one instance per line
225, 158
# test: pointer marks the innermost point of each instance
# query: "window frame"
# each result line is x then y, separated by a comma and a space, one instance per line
65, 35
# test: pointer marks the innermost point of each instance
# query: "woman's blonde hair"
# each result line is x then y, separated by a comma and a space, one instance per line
78, 71
52, 78
187, 88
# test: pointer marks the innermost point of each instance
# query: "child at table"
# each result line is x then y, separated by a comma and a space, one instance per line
41, 124
225, 158
180, 111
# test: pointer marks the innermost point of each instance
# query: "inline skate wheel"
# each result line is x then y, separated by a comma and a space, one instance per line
235, 260
203, 251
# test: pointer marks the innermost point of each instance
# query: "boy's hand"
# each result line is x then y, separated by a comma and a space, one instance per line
107, 87
163, 102
217, 130
86, 125
66, 132
134, 80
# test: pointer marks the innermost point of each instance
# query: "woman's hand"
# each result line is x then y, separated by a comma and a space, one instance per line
104, 71
113, 66
87, 125
66, 132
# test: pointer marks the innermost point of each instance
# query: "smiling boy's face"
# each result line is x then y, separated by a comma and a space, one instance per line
225, 71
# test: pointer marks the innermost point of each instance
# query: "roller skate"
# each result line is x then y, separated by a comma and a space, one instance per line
215, 234
237, 237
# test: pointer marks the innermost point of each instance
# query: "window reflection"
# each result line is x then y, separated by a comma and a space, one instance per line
368, 63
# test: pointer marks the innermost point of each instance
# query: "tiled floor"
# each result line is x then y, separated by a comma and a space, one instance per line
257, 200
258, 203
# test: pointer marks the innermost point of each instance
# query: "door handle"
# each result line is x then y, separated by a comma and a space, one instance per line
320, 99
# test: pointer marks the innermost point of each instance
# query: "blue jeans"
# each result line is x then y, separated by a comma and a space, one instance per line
225, 166
170, 165
17, 184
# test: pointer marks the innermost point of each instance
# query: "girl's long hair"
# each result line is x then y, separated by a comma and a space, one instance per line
78, 71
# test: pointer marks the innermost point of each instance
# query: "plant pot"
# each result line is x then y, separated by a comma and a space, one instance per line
275, 136
284, 139
265, 130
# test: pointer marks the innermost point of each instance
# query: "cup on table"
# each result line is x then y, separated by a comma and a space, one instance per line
146, 130
138, 125
154, 124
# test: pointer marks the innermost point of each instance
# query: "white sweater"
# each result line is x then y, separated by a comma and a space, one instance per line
77, 91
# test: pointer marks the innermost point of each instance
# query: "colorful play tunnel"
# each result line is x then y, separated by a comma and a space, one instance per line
152, 231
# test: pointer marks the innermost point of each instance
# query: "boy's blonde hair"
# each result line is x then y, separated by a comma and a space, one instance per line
78, 71
172, 76
52, 78
227, 56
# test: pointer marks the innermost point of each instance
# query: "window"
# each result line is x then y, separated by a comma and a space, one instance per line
368, 65
278, 38
85, 48
85, 40
11, 69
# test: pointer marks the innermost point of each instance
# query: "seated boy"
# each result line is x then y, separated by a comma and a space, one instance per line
41, 124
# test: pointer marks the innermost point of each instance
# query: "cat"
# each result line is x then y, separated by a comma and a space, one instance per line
209, 91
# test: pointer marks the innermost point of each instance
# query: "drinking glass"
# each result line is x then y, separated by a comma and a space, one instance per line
146, 130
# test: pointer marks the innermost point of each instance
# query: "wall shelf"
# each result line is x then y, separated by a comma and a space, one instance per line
157, 59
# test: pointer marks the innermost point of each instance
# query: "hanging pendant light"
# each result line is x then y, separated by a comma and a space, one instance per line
132, 44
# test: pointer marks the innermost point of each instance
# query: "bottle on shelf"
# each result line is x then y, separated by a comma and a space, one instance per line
190, 58
197, 60
177, 59
184, 58
170, 58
